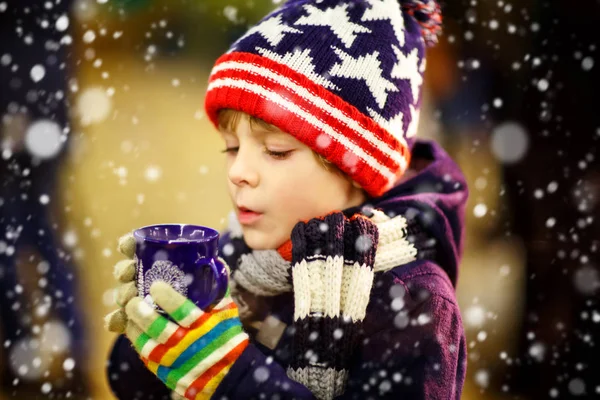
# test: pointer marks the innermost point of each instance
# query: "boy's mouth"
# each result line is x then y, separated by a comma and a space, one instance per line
247, 216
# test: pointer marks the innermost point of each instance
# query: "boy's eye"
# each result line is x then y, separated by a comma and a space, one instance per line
230, 150
280, 155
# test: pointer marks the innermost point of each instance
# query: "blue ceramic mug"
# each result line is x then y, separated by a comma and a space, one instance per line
184, 256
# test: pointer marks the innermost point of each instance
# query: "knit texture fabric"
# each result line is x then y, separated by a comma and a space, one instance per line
193, 355
435, 199
342, 76
330, 270
267, 272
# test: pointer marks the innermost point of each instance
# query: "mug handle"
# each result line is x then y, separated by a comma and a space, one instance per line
219, 271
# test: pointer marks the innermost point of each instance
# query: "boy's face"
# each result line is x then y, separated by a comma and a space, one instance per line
279, 179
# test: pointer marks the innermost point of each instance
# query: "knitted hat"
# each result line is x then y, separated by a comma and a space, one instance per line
342, 76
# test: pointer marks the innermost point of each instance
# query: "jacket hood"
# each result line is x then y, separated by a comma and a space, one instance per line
436, 196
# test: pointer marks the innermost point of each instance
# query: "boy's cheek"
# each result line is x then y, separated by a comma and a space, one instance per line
265, 238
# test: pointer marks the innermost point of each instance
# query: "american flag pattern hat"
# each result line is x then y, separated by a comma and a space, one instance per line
342, 76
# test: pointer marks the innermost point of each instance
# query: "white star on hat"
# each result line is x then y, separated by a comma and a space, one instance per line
414, 122
407, 68
367, 68
336, 19
271, 29
386, 10
394, 125
301, 61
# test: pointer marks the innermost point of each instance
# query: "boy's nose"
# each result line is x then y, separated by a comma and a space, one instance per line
242, 171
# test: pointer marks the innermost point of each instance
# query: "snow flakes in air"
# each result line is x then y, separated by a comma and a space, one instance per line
509, 142
587, 63
93, 105
62, 23
475, 315
261, 374
480, 210
37, 72
153, 173
44, 139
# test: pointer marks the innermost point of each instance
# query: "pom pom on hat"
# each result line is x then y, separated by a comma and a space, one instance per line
428, 14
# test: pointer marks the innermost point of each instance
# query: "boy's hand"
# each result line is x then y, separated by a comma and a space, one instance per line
194, 354
332, 273
332, 257
124, 273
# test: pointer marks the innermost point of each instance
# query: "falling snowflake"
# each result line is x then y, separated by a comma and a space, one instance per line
261, 374
482, 378
69, 364
231, 13
363, 244
509, 142
44, 139
323, 141
480, 210
62, 23
89, 36
37, 73
537, 351
587, 63
93, 105
46, 387
153, 173
475, 315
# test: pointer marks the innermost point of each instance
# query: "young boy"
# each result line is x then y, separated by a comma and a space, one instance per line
343, 259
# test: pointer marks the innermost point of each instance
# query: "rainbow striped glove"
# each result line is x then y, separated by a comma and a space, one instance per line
193, 355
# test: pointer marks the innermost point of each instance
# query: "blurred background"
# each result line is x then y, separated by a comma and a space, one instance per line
102, 130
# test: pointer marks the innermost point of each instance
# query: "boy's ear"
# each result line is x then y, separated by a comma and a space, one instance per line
356, 185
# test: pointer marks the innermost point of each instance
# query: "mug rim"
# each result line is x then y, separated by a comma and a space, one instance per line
213, 233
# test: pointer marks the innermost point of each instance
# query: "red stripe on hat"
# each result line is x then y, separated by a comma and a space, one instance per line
370, 179
308, 136
254, 104
280, 69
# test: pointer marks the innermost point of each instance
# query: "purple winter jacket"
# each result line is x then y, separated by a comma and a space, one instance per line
417, 352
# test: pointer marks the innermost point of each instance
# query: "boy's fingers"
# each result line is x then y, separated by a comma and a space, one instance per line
140, 312
126, 245
115, 321
124, 271
133, 332
125, 293
151, 322
180, 308
143, 343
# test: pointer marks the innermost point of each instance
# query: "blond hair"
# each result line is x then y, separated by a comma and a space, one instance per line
229, 120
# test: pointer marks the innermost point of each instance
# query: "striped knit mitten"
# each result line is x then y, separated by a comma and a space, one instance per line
332, 276
193, 355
